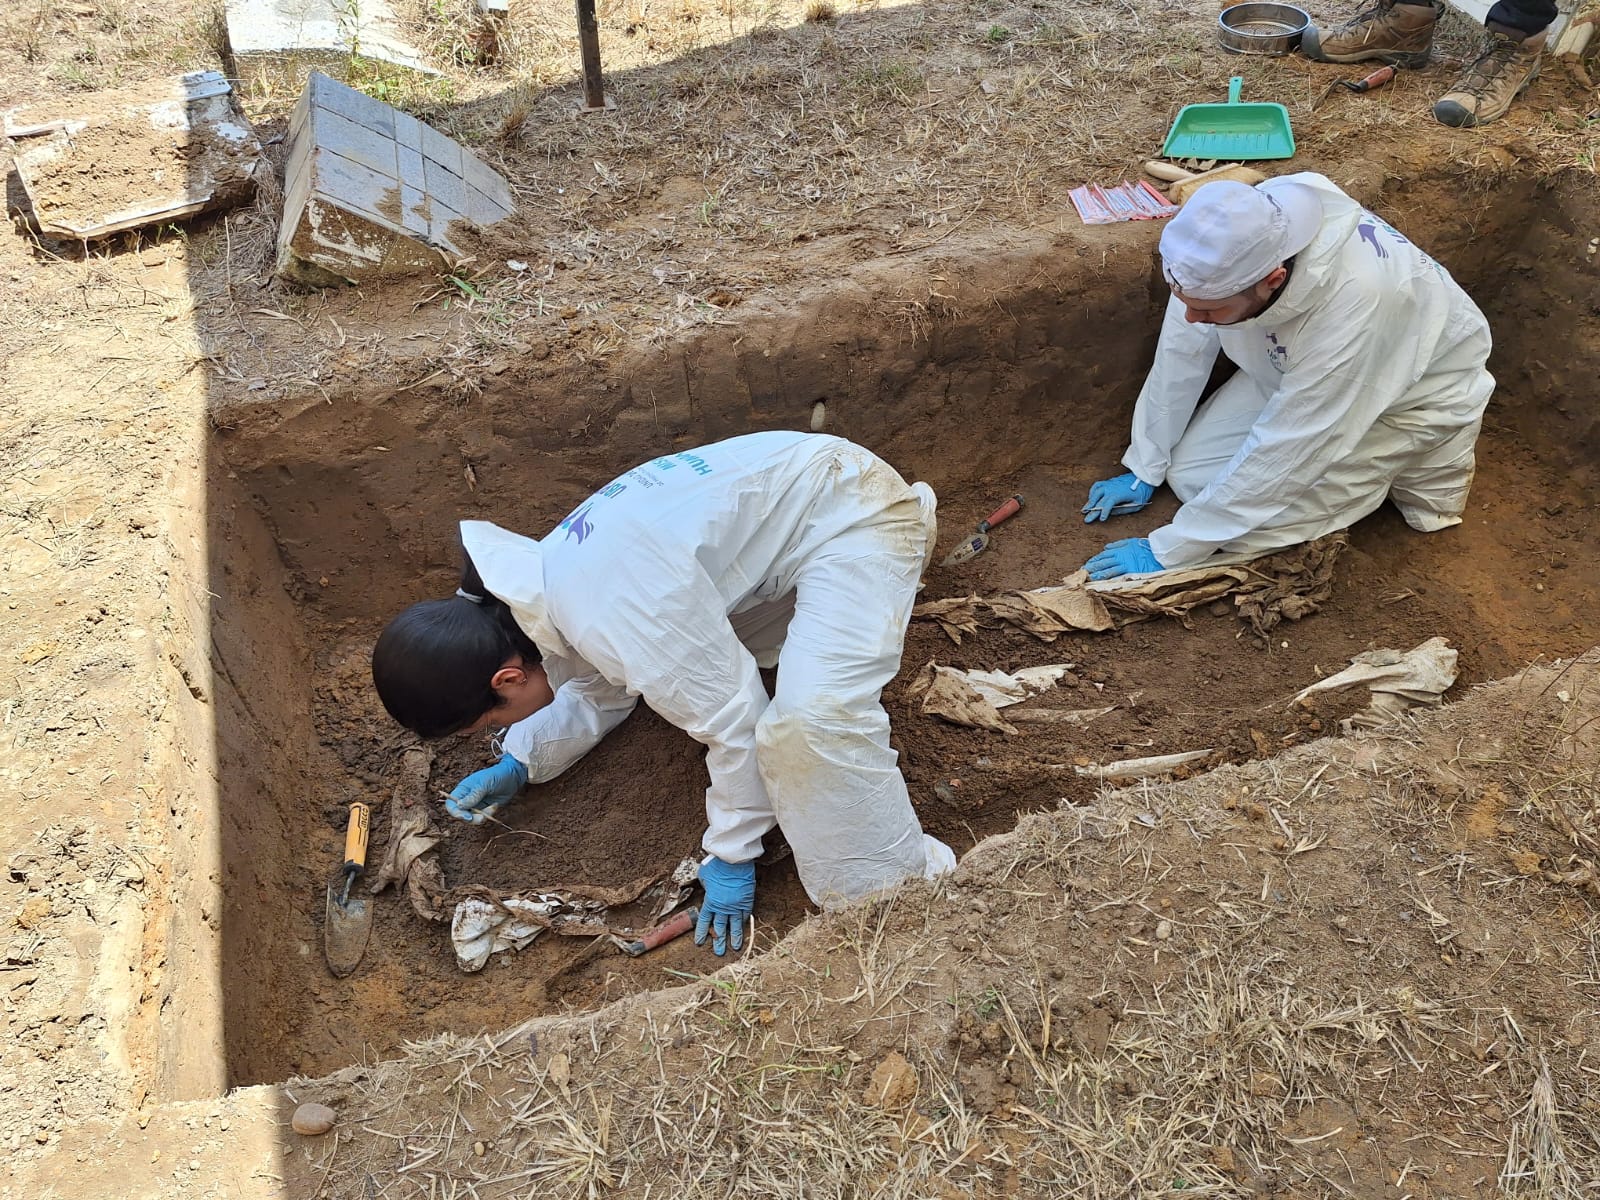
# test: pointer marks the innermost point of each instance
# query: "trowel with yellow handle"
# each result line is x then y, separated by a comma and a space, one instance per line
349, 918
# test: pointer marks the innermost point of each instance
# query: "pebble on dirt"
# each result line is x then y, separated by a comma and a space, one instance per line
313, 1120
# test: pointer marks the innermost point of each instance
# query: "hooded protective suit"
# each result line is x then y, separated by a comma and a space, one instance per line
678, 579
1364, 379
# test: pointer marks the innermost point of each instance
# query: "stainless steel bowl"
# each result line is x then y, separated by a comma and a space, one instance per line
1260, 28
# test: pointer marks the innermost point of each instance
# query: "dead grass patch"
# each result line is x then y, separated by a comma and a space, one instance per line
1160, 993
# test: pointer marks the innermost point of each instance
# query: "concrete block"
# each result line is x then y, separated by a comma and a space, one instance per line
328, 94
362, 204
416, 211
442, 150
335, 135
411, 173
407, 131
274, 43
445, 186
484, 210
487, 181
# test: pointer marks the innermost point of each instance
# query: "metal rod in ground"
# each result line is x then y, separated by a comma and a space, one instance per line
594, 93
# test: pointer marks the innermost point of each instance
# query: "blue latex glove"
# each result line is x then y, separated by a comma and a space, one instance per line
485, 792
730, 899
1113, 497
1130, 556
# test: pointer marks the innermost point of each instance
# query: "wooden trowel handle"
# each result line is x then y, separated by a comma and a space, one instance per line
355, 838
1168, 171
1004, 513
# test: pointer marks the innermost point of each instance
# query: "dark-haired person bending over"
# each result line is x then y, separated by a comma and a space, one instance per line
675, 583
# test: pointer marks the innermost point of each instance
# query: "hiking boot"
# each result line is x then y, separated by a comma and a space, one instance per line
1486, 88
1398, 34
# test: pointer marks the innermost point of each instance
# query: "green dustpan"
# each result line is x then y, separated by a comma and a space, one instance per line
1231, 131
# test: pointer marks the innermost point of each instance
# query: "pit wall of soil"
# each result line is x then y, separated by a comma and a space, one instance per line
959, 367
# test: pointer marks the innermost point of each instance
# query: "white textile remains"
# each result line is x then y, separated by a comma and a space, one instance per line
1399, 680
480, 928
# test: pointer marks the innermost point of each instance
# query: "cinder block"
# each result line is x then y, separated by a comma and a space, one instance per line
362, 204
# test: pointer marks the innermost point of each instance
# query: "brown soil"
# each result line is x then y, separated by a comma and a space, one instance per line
1311, 976
217, 488
1516, 582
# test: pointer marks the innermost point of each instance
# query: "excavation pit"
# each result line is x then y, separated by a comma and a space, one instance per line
328, 517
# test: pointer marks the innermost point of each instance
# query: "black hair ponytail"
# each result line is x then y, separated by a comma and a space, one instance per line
433, 663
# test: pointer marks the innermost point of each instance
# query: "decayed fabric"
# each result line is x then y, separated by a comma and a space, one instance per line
486, 921
1285, 586
974, 698
411, 836
1398, 680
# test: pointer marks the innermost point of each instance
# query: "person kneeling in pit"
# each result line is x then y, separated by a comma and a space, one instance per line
1361, 376
675, 583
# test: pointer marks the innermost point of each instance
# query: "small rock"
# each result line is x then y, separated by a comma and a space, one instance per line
1221, 608
313, 1120
1163, 930
479, 1149
893, 1085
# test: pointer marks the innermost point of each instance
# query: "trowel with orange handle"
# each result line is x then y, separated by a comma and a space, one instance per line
349, 918
979, 541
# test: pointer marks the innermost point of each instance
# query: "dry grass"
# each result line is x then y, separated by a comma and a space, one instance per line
1092, 1007
749, 134
758, 143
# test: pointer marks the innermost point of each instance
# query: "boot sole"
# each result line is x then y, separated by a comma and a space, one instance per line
1311, 47
1458, 116
1406, 60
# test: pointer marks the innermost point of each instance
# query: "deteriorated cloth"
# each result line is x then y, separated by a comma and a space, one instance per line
1285, 586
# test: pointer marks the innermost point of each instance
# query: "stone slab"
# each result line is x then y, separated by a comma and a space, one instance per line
158, 152
371, 191
275, 43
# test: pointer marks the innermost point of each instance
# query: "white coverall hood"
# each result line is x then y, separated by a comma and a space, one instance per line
670, 581
1364, 378
512, 567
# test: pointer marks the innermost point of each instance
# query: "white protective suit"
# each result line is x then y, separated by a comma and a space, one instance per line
1364, 379
674, 581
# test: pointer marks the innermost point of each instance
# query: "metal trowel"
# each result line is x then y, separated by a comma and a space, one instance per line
349, 918
975, 545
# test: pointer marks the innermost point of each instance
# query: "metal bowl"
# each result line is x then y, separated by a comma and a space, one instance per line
1261, 28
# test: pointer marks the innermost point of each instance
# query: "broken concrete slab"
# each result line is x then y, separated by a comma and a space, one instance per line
274, 43
146, 155
372, 192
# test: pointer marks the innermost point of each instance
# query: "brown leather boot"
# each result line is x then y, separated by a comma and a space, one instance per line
1486, 89
1400, 34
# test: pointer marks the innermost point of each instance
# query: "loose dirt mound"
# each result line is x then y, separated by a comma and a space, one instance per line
1365, 965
